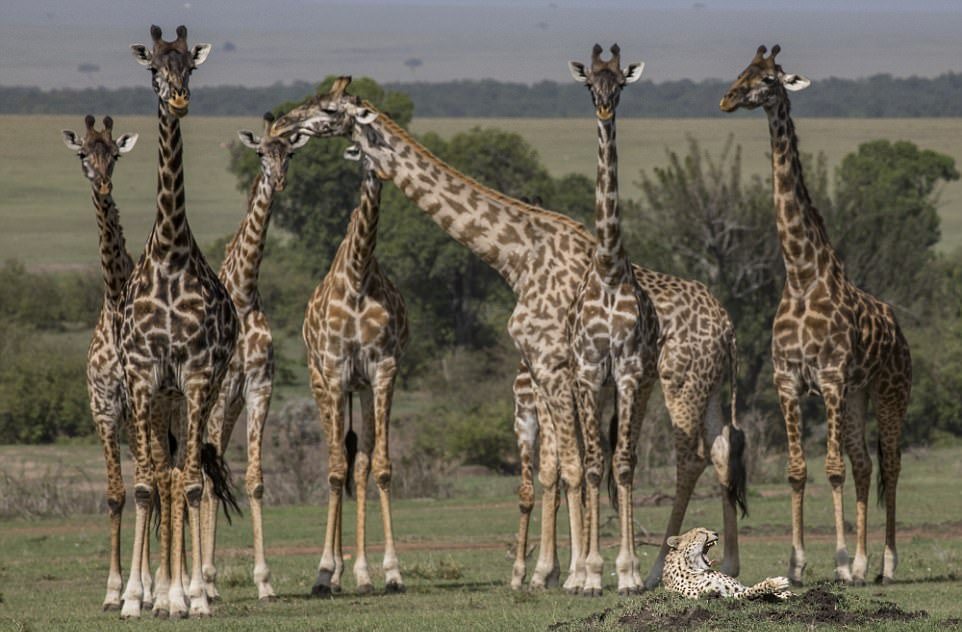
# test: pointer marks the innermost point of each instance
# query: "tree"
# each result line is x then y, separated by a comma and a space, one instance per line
887, 203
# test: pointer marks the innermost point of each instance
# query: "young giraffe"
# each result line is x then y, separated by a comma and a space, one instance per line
542, 256
613, 334
828, 337
98, 152
250, 377
696, 344
177, 334
355, 328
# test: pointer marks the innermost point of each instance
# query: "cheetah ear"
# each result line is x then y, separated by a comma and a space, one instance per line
673, 542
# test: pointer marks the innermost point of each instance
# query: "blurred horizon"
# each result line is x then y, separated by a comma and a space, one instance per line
64, 43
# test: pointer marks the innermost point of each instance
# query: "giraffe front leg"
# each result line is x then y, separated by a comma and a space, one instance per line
546, 570
833, 394
106, 423
853, 436
362, 471
572, 474
890, 407
329, 396
589, 388
787, 386
258, 404
143, 491
632, 402
726, 444
383, 388
526, 432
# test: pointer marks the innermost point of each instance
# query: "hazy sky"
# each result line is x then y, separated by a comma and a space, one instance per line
44, 42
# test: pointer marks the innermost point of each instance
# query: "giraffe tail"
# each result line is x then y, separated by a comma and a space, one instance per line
612, 442
737, 473
217, 472
350, 446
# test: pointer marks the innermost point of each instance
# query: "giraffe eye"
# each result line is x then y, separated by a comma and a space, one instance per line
769, 79
82, 154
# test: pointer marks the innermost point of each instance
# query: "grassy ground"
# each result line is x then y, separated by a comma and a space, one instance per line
453, 556
47, 219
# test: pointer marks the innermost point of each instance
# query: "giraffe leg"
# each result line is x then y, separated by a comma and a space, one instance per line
685, 407
632, 402
176, 596
891, 405
143, 488
572, 475
116, 496
833, 394
546, 570
200, 401
718, 442
330, 401
219, 428
854, 440
362, 471
258, 403
383, 388
162, 481
589, 390
526, 432
788, 389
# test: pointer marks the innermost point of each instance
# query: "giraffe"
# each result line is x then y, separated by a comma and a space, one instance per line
176, 335
543, 256
250, 377
828, 337
98, 152
696, 342
355, 329
613, 334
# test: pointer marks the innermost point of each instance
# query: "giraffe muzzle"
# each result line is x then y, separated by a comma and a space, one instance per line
178, 104
604, 112
104, 188
727, 103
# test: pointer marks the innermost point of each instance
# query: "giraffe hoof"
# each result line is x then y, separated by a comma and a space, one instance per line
858, 581
365, 589
576, 590
268, 599
629, 591
883, 580
111, 607
161, 614
394, 587
796, 583
321, 590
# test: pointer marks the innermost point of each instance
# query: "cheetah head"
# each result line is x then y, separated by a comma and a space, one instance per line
693, 548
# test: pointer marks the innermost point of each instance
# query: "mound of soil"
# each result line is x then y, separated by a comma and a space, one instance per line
823, 605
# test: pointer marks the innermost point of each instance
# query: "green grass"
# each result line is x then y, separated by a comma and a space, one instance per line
47, 220
453, 558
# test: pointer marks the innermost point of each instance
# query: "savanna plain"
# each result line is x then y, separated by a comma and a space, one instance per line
454, 551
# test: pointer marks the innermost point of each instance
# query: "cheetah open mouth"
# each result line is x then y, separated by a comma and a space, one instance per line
704, 552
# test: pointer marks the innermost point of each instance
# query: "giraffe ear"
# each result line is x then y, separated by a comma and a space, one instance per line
199, 54
126, 142
577, 71
795, 82
353, 152
249, 138
673, 542
364, 116
71, 140
141, 54
633, 72
299, 140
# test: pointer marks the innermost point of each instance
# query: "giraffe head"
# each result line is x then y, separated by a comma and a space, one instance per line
606, 79
171, 63
98, 152
274, 150
335, 113
762, 83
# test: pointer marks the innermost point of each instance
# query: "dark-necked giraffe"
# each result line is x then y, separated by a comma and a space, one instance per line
355, 329
828, 337
176, 335
98, 152
249, 380
613, 334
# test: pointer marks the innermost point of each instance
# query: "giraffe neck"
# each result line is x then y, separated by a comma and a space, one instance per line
362, 234
609, 252
170, 238
499, 229
242, 265
115, 261
806, 249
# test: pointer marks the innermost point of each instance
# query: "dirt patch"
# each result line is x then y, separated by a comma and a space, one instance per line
821, 604
653, 619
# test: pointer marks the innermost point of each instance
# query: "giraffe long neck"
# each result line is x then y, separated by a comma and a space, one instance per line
115, 261
362, 233
171, 238
242, 265
609, 252
806, 249
499, 229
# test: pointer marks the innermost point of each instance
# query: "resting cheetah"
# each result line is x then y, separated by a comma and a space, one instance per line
687, 571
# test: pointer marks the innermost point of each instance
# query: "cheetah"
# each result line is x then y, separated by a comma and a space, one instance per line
688, 571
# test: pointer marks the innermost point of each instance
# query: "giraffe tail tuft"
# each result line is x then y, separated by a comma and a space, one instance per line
217, 472
612, 442
350, 447
737, 472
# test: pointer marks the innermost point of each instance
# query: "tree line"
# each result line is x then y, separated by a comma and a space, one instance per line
698, 217
876, 96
